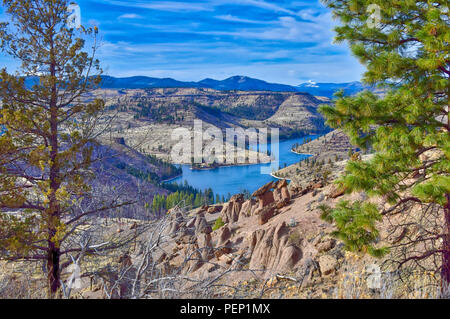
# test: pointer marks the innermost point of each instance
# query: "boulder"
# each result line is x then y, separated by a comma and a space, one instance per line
214, 209
204, 240
226, 258
337, 191
327, 264
316, 185
225, 249
261, 191
326, 245
290, 256
281, 184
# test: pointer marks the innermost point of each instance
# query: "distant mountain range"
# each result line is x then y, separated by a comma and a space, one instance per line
328, 89
241, 83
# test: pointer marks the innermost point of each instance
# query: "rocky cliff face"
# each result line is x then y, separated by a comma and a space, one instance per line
145, 119
181, 105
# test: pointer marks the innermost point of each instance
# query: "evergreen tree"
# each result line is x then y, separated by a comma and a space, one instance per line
47, 148
407, 54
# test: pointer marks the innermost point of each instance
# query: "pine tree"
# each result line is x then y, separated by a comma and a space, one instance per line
406, 54
47, 147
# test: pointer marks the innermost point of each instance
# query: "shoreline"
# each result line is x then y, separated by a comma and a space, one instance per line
312, 155
230, 165
171, 179
280, 178
238, 165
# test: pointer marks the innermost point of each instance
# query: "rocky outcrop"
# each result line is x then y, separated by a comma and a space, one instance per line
176, 222
270, 250
283, 188
201, 225
214, 209
248, 208
264, 195
307, 269
205, 245
276, 194
265, 214
230, 211
224, 235
194, 259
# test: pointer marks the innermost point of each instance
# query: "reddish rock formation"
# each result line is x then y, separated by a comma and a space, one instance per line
214, 209
230, 211
264, 195
282, 203
224, 235
248, 208
277, 194
283, 188
175, 223
204, 243
201, 225
271, 250
265, 214
194, 259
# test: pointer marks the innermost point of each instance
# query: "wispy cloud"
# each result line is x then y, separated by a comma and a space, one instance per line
130, 16
171, 6
281, 41
231, 18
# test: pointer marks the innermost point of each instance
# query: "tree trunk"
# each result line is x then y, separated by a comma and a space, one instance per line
53, 270
54, 253
445, 272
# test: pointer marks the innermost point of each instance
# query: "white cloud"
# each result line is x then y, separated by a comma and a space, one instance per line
130, 16
229, 17
170, 6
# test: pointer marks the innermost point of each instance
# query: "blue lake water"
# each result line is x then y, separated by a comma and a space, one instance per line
233, 179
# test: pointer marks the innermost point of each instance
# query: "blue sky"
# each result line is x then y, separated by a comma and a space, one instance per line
278, 41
